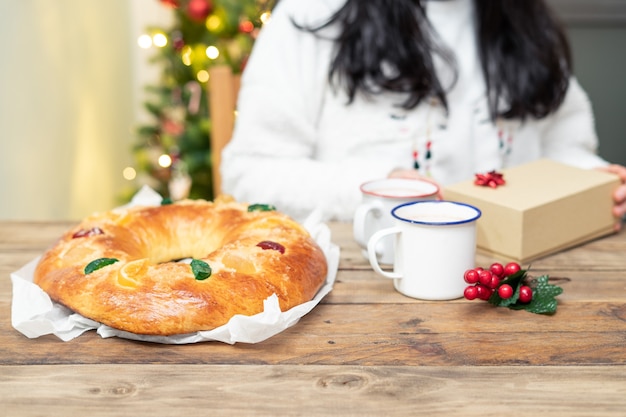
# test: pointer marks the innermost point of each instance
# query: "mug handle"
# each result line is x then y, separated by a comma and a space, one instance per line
360, 217
371, 251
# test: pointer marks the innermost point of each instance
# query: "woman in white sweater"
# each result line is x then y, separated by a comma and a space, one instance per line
339, 92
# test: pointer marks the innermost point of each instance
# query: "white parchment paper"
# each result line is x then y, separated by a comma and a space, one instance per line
34, 314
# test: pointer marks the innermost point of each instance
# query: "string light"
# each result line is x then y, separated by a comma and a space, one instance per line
212, 52
144, 41
213, 23
202, 76
159, 40
129, 173
265, 17
165, 161
186, 55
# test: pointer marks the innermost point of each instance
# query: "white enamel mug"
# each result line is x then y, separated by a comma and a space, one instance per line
379, 197
435, 243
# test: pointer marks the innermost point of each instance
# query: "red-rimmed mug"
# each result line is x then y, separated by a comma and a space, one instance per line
379, 197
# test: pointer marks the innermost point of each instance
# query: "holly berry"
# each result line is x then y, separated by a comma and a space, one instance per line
471, 276
487, 281
471, 292
484, 292
505, 291
484, 277
497, 269
513, 286
511, 268
495, 282
525, 294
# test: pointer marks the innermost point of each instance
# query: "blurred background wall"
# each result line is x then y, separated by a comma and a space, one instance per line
71, 91
597, 31
72, 76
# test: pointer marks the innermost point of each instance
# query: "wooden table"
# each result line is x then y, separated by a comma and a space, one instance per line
365, 350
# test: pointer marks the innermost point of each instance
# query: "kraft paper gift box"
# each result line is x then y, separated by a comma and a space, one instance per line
544, 207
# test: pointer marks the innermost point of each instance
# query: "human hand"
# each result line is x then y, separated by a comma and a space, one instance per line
412, 174
619, 195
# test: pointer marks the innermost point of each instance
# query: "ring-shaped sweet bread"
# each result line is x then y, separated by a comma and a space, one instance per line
122, 268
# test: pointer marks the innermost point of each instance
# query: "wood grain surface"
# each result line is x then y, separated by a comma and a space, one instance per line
365, 350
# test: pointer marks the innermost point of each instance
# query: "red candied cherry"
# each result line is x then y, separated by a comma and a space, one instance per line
484, 277
471, 276
496, 268
505, 291
495, 281
269, 245
484, 292
511, 268
525, 294
471, 292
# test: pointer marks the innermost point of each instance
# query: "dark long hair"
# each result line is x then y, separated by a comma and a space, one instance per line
524, 52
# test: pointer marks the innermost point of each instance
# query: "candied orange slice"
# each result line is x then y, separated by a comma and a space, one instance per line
130, 274
239, 262
120, 217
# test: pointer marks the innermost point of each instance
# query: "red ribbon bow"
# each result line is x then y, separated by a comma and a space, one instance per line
491, 179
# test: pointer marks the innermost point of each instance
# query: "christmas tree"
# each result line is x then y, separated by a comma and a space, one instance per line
173, 154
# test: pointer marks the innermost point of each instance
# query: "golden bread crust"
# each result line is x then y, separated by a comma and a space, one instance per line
147, 292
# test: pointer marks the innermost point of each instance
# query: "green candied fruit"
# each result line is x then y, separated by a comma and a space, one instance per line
99, 263
261, 207
166, 201
201, 270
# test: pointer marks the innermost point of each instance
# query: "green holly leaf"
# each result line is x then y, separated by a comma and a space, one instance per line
514, 281
544, 293
201, 270
98, 263
261, 207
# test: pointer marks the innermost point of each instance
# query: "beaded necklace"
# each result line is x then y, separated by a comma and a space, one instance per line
428, 153
505, 142
505, 139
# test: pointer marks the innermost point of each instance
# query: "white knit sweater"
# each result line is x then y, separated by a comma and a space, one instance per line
299, 146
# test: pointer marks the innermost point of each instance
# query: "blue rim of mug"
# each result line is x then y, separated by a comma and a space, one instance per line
417, 194
471, 219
